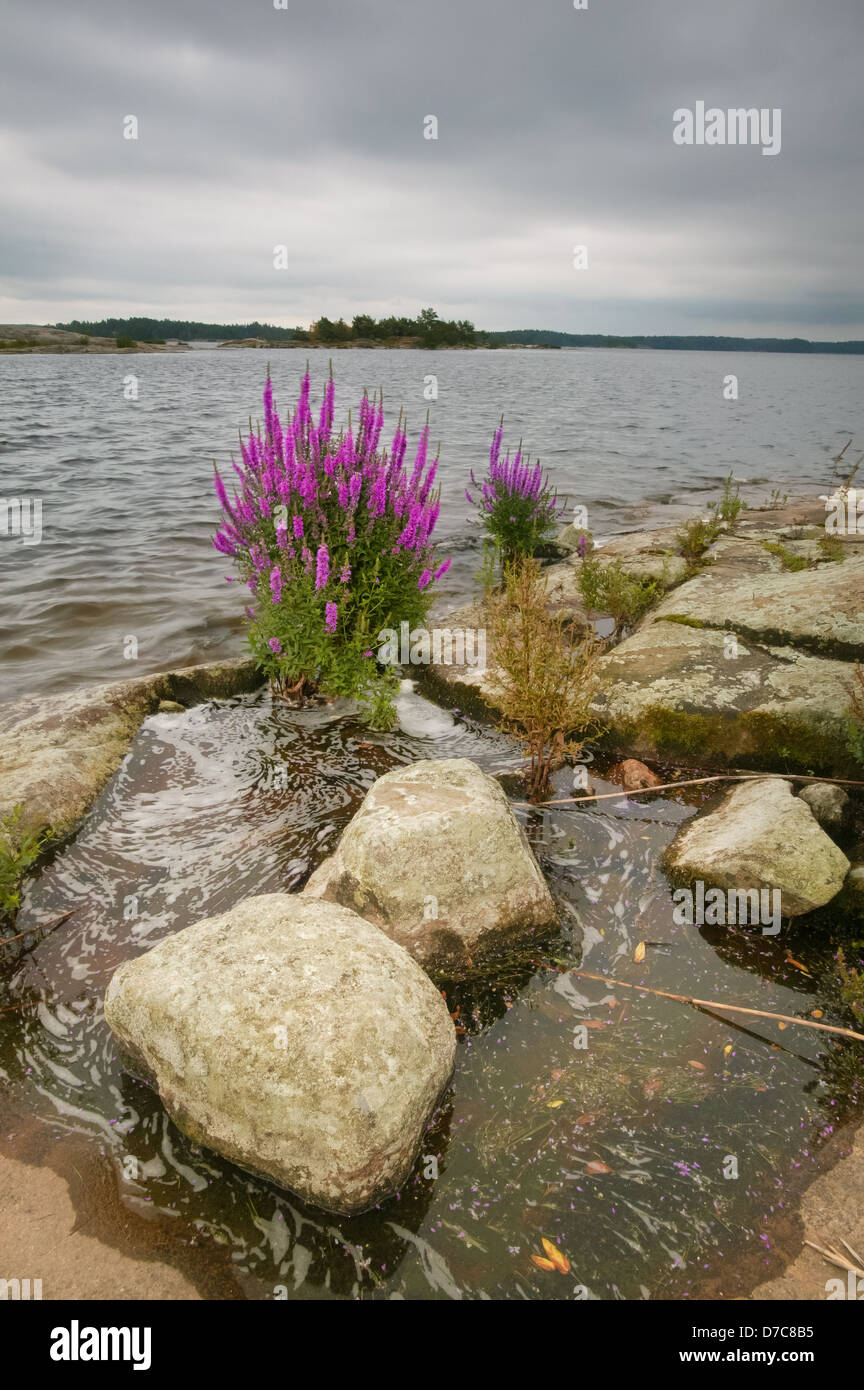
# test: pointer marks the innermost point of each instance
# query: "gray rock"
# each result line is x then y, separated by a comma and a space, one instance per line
58, 751
676, 690
569, 539
761, 836
293, 1038
817, 610
852, 898
829, 804
436, 858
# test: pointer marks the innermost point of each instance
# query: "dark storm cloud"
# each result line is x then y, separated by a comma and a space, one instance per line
303, 127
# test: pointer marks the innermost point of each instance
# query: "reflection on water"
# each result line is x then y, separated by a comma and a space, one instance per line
616, 1153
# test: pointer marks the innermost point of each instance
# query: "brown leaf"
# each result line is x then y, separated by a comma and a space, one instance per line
587, 1119
594, 1023
559, 1260
639, 953
653, 1085
543, 1264
797, 964
597, 1166
697, 1066
815, 1013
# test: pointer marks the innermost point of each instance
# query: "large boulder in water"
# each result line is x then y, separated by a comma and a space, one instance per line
436, 858
293, 1038
761, 836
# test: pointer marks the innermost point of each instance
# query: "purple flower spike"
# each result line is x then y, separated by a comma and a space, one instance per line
331, 615
322, 567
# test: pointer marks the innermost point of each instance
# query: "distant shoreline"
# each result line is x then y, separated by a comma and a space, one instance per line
24, 339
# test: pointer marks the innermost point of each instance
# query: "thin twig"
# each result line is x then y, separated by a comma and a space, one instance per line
717, 1004
695, 782
40, 926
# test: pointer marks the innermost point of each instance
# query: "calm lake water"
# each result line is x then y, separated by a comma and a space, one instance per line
128, 506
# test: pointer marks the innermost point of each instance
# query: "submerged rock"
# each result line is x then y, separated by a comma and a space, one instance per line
633, 775
293, 1038
436, 858
829, 804
761, 836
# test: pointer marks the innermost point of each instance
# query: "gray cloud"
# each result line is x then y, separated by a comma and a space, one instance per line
304, 127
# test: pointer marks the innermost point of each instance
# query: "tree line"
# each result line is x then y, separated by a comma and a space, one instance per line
427, 330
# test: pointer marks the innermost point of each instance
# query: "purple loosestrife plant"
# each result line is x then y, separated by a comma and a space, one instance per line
517, 507
332, 532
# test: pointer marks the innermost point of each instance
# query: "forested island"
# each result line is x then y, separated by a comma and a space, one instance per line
426, 331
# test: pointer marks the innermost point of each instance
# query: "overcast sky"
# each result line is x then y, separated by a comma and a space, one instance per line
303, 127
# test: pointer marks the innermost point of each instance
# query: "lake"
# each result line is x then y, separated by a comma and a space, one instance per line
128, 505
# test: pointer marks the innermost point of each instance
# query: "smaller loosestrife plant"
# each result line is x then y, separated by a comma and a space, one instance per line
332, 535
517, 507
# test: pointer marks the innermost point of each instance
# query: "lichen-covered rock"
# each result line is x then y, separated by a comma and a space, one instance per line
818, 610
852, 897
58, 751
293, 1038
829, 804
761, 836
436, 858
676, 690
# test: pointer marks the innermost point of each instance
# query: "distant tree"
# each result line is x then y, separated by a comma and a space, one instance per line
364, 326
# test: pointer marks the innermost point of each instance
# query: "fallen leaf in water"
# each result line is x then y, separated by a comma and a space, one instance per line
797, 964
559, 1260
556, 1075
597, 1166
588, 1119
781, 1026
760, 1087
543, 1264
653, 1085
625, 1080
613, 1003
816, 1013
639, 953
697, 1066
594, 1023
727, 1049
553, 1104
